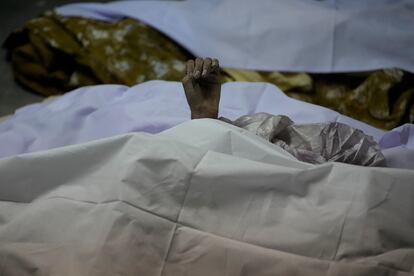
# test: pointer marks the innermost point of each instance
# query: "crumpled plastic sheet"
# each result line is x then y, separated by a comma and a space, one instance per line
315, 143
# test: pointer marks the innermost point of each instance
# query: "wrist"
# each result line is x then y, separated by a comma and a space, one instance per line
200, 114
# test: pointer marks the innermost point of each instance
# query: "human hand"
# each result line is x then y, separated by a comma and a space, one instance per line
202, 87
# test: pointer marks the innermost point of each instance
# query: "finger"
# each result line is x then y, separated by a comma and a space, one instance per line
198, 67
206, 67
190, 67
215, 66
187, 82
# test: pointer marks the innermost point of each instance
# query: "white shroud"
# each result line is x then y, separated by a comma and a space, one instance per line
203, 198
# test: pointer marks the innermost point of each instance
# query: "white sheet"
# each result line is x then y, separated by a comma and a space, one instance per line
105, 110
203, 198
294, 35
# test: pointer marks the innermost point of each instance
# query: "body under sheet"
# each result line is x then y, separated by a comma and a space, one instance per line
202, 198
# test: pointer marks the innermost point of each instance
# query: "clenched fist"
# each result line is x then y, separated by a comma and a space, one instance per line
202, 87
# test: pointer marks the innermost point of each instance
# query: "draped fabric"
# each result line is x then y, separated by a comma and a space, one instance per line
204, 198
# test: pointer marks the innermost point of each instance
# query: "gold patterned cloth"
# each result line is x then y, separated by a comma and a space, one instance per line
53, 54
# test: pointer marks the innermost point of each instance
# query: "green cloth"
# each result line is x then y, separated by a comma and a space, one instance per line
53, 54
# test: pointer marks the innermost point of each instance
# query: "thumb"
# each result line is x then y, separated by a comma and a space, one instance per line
188, 85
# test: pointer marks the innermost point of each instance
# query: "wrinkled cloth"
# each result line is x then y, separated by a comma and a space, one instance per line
96, 112
204, 198
315, 143
54, 54
398, 146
